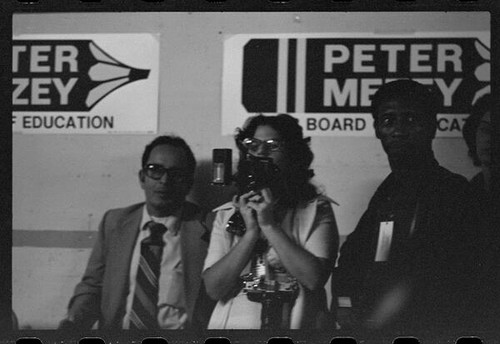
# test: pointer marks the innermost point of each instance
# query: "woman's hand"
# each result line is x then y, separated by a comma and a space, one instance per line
311, 271
263, 204
249, 216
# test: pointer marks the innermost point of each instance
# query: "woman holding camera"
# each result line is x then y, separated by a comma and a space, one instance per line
287, 225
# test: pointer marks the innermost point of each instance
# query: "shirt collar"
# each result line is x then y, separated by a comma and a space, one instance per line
225, 206
171, 222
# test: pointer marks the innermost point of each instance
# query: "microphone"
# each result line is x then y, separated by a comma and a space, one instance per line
221, 166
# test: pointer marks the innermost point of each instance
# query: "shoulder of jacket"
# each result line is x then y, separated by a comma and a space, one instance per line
452, 177
447, 182
119, 212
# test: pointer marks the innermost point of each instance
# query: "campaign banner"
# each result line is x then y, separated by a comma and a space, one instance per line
88, 84
327, 80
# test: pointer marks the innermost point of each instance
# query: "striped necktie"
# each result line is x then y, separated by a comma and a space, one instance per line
144, 307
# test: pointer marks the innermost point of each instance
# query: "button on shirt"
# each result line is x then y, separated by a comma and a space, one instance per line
171, 299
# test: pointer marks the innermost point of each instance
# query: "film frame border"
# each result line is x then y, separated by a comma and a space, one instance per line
11, 7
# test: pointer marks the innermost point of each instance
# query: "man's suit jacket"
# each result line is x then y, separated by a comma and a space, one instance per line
101, 294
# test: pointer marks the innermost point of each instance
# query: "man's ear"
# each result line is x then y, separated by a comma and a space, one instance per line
374, 117
142, 177
377, 134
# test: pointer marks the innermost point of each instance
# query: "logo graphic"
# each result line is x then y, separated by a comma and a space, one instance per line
65, 75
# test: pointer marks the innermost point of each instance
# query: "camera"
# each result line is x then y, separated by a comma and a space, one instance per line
254, 173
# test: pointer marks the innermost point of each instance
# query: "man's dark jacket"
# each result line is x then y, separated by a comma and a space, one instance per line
432, 262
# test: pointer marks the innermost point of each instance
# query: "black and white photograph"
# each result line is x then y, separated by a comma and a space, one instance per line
273, 172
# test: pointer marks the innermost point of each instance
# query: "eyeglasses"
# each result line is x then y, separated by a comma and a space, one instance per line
253, 145
156, 172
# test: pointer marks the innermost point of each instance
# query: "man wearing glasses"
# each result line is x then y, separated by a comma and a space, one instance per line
145, 268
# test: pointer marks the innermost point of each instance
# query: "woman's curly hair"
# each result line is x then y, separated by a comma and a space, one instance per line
296, 179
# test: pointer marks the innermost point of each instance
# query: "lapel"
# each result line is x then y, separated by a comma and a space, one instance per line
121, 245
304, 218
129, 229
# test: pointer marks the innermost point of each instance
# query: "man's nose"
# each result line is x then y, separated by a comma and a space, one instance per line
401, 126
164, 178
262, 150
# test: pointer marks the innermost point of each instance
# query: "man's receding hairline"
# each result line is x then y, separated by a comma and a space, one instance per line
181, 148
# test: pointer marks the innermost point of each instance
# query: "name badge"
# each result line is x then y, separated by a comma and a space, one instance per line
384, 241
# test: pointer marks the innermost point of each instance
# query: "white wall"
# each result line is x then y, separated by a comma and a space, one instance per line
65, 182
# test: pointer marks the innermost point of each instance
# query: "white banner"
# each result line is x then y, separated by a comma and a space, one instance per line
85, 83
327, 80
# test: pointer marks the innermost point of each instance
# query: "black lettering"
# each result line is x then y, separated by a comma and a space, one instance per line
96, 124
49, 124
80, 121
360, 124
27, 122
439, 124
348, 123
336, 125
58, 122
109, 122
37, 122
71, 123
455, 126
322, 123
311, 124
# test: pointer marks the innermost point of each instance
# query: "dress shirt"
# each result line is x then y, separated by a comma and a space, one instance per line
171, 299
